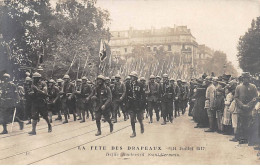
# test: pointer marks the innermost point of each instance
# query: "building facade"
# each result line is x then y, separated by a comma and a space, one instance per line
174, 40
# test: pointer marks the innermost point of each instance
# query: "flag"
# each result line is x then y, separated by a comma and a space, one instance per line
102, 51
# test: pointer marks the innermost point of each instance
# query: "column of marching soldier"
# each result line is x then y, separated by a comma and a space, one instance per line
101, 98
225, 104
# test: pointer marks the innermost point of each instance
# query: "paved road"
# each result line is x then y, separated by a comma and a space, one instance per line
76, 143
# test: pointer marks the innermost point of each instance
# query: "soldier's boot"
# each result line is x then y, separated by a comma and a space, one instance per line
133, 129
33, 132
66, 119
83, 117
125, 117
142, 127
4, 129
119, 114
49, 128
74, 116
151, 119
68, 116
21, 124
115, 119
171, 119
99, 128
164, 121
111, 126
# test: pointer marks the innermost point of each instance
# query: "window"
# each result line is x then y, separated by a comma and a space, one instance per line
125, 50
118, 34
169, 47
149, 48
154, 48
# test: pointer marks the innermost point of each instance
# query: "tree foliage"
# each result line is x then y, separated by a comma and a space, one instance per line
249, 48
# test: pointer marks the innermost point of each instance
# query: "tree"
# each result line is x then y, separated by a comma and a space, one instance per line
248, 48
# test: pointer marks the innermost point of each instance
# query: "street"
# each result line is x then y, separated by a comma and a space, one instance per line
76, 143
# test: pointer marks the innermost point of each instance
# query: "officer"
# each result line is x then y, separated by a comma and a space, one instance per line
181, 97
39, 103
28, 99
118, 95
53, 93
145, 106
58, 102
79, 98
66, 99
167, 95
152, 92
102, 96
85, 93
8, 101
135, 95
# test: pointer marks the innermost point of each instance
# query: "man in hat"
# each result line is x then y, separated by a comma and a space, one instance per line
39, 103
153, 92
135, 95
102, 96
118, 96
8, 101
245, 93
210, 104
145, 106
54, 94
58, 101
66, 98
79, 99
28, 99
167, 96
85, 92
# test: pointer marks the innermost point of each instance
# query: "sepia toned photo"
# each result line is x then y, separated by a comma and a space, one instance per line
129, 82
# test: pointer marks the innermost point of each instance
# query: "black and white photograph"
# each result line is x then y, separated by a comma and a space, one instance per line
129, 82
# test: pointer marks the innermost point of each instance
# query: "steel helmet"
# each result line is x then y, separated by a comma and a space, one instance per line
142, 79
79, 80
51, 81
158, 77
36, 75
133, 73
172, 79
84, 78
113, 77
152, 77
117, 76
101, 77
165, 75
59, 80
28, 78
6, 75
66, 77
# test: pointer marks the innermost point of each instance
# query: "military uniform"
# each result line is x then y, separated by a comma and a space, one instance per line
153, 92
8, 101
167, 96
53, 93
102, 96
28, 99
118, 95
135, 95
39, 102
85, 98
67, 100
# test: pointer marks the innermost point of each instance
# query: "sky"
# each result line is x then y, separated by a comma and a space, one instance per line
216, 23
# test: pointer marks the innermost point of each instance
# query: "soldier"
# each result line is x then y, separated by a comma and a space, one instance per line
90, 102
53, 93
135, 95
58, 101
102, 96
85, 93
145, 106
152, 92
28, 99
39, 103
118, 95
79, 99
181, 98
167, 95
66, 100
8, 101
